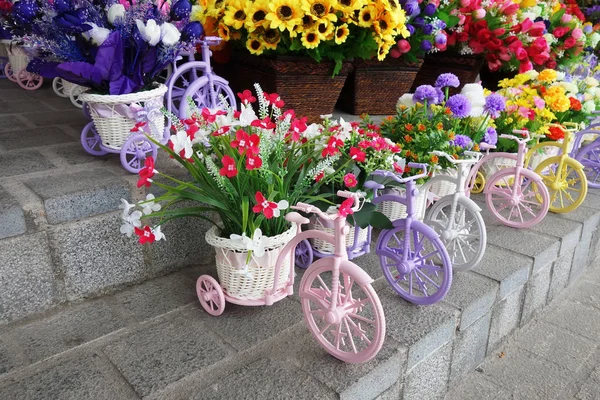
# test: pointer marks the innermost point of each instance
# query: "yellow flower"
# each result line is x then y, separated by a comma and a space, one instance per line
559, 103
505, 83
285, 14
223, 32
554, 91
385, 24
310, 40
321, 9
396, 9
271, 39
384, 47
325, 29
198, 14
528, 3
341, 33
214, 8
235, 15
347, 7
256, 15
547, 75
255, 45
367, 16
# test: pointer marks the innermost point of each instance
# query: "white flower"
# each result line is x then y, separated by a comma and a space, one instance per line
181, 141
345, 130
282, 205
257, 244
201, 136
587, 96
247, 115
115, 12
588, 107
158, 235
595, 39
326, 116
130, 221
150, 32
169, 34
97, 34
125, 206
148, 206
532, 74
474, 92
406, 100
312, 131
591, 81
559, 75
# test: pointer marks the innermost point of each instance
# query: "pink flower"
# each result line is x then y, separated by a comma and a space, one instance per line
566, 18
403, 46
244, 142
350, 180
479, 13
539, 102
146, 235
577, 33
357, 155
333, 145
263, 205
229, 169
297, 128
253, 162
346, 207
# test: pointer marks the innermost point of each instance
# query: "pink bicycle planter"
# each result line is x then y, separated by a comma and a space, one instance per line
16, 67
341, 308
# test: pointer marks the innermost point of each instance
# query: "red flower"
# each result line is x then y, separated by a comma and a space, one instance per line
221, 131
138, 127
364, 144
292, 115
191, 131
244, 142
263, 205
253, 162
350, 180
319, 176
570, 42
146, 173
346, 207
556, 133
357, 155
264, 123
229, 169
333, 145
398, 169
210, 118
575, 104
561, 31
297, 128
246, 97
274, 99
146, 235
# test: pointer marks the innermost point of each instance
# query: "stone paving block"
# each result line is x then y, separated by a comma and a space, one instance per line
476, 386
555, 344
577, 318
75, 116
589, 217
11, 123
8, 360
536, 293
23, 162
422, 329
248, 382
70, 327
509, 269
35, 137
26, 277
473, 295
589, 389
470, 348
393, 393
429, 379
244, 327
586, 292
580, 258
15, 106
94, 256
595, 245
506, 315
81, 378
560, 274
527, 375
543, 249
74, 195
74, 154
12, 219
156, 356
350, 381
592, 200
567, 231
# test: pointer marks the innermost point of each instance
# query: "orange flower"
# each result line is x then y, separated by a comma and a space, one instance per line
409, 127
439, 126
414, 157
407, 138
434, 159
475, 147
407, 153
421, 127
390, 117
447, 111
451, 136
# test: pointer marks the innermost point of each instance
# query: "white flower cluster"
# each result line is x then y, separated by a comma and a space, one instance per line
132, 219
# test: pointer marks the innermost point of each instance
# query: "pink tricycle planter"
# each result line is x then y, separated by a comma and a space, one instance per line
16, 67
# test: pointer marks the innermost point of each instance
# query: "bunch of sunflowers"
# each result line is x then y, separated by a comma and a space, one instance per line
333, 29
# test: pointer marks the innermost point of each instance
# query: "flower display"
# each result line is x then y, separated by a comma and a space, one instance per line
317, 28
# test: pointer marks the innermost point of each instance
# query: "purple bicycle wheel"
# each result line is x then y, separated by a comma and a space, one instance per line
426, 275
304, 254
589, 157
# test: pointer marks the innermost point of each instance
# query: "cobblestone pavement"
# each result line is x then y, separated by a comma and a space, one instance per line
556, 356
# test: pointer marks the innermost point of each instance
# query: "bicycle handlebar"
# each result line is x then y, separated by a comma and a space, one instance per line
474, 157
400, 179
309, 209
515, 138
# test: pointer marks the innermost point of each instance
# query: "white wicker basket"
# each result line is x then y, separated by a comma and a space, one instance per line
16, 56
444, 188
114, 117
327, 226
231, 259
490, 168
394, 210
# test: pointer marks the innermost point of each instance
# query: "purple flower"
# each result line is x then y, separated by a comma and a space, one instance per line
440, 95
494, 105
426, 45
459, 105
447, 80
462, 141
410, 28
440, 38
418, 22
427, 29
430, 9
491, 136
426, 93
588, 29
439, 24
412, 8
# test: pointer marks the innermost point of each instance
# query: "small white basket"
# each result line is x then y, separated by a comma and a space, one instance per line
394, 210
444, 188
326, 226
16, 56
231, 260
490, 168
115, 115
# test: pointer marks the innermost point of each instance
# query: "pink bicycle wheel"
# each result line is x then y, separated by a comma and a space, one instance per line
10, 75
354, 331
523, 208
210, 295
28, 80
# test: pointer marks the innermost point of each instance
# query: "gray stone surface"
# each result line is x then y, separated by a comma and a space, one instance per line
536, 293
555, 344
506, 315
11, 123
18, 106
509, 269
422, 330
592, 200
12, 220
35, 137
94, 256
74, 154
477, 386
580, 258
23, 162
8, 360
429, 379
473, 295
393, 393
248, 382
26, 277
589, 389
81, 378
470, 348
560, 274
351, 381
543, 249
69, 327
44, 118
75, 195
589, 217
578, 318
567, 231
587, 292
156, 356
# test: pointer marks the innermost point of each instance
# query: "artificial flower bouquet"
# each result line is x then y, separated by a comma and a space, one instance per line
565, 35
336, 30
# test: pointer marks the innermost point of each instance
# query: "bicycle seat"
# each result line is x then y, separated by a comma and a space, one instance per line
296, 218
373, 185
485, 146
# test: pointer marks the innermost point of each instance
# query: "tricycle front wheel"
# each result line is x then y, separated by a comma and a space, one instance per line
210, 295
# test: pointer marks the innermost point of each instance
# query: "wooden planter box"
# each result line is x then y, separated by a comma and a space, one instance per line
466, 68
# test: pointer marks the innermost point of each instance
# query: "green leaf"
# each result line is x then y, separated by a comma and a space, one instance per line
245, 210
452, 21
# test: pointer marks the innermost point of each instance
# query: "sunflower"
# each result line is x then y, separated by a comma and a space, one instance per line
395, 8
348, 7
321, 9
384, 46
223, 32
325, 29
385, 24
255, 45
310, 40
271, 39
285, 14
235, 15
341, 33
366, 16
215, 8
257, 15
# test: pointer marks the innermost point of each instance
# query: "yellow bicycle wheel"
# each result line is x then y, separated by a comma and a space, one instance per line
479, 183
567, 187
